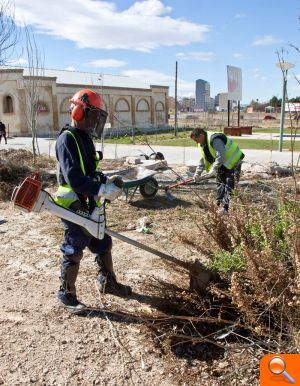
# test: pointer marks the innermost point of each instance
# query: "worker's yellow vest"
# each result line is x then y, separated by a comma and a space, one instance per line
232, 152
65, 195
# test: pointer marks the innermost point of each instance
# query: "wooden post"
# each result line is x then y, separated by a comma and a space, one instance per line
175, 123
239, 109
228, 113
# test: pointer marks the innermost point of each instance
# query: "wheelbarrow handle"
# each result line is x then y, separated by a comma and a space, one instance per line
187, 181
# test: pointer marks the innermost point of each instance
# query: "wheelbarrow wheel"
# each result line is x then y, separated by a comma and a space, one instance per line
157, 156
149, 188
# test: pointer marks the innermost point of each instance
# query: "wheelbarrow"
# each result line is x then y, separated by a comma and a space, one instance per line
138, 178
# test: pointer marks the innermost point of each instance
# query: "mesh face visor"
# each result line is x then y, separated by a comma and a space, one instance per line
95, 120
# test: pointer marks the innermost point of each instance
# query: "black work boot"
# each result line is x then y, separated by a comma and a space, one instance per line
67, 292
70, 301
107, 284
106, 280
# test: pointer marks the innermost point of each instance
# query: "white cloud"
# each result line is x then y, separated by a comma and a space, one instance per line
150, 8
17, 62
70, 68
99, 24
155, 77
239, 15
106, 63
198, 56
237, 55
266, 40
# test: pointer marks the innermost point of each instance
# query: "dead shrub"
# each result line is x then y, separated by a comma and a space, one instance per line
255, 251
15, 165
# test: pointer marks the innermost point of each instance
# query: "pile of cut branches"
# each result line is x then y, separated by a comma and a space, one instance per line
15, 165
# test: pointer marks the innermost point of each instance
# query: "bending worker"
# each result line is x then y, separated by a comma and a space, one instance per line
220, 158
81, 188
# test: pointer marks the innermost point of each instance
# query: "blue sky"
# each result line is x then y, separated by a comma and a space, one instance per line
143, 39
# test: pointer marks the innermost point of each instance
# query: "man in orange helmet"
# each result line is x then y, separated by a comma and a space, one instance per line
80, 188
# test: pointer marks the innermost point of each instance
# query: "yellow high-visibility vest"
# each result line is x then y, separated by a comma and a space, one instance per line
232, 152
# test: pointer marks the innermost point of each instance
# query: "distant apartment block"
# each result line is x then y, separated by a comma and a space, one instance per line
221, 101
203, 100
211, 104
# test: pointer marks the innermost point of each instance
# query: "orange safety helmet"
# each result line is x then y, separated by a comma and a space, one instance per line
87, 105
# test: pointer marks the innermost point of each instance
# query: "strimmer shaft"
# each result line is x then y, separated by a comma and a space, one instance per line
139, 245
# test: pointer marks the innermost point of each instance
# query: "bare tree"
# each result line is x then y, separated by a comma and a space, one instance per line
9, 33
33, 86
294, 129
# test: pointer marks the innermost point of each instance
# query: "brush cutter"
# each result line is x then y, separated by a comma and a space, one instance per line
30, 197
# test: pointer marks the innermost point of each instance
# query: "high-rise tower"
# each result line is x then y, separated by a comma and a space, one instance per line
203, 101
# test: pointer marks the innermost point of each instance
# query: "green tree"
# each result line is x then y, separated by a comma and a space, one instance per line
295, 100
275, 102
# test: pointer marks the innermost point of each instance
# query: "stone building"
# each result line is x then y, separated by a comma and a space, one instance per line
128, 102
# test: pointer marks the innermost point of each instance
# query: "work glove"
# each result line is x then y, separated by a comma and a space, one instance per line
197, 177
112, 189
212, 173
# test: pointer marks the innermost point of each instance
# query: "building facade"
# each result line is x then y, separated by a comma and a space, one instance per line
203, 102
128, 103
187, 104
221, 101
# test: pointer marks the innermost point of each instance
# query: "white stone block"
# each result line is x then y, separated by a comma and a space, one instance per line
133, 161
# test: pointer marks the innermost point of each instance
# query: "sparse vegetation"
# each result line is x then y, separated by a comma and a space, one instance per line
183, 139
227, 262
256, 253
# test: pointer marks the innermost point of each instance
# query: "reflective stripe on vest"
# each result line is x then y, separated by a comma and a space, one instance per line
232, 152
79, 152
97, 159
65, 195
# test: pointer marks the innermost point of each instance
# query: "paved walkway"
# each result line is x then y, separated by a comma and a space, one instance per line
173, 154
270, 136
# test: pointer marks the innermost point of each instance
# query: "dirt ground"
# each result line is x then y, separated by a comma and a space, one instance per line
117, 342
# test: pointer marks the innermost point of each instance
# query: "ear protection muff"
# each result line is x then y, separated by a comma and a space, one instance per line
77, 111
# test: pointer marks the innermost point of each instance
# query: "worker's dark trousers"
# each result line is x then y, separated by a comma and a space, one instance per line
4, 136
75, 241
225, 183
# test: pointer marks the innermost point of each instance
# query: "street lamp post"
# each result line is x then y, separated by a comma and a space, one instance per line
284, 66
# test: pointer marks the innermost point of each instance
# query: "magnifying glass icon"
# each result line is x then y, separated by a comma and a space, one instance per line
277, 366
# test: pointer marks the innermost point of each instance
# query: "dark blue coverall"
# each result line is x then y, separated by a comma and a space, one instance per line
76, 239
